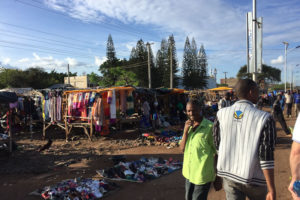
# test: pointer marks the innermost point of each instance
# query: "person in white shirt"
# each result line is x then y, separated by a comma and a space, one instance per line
295, 158
288, 102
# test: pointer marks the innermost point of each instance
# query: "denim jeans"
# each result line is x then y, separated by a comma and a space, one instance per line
238, 191
196, 192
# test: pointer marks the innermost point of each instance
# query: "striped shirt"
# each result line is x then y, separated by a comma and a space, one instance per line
245, 139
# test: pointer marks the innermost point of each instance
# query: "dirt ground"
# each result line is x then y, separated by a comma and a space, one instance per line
27, 170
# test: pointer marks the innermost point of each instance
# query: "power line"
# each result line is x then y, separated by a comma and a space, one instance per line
118, 28
122, 67
43, 51
44, 32
58, 43
35, 46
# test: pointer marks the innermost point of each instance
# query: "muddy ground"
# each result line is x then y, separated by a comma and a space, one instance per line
27, 170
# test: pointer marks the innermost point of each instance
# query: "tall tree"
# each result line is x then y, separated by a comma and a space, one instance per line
187, 66
139, 63
112, 61
110, 50
162, 64
172, 52
202, 65
194, 54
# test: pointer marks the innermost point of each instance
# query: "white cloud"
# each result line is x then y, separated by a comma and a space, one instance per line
204, 20
36, 56
99, 61
47, 63
5, 61
24, 60
71, 61
277, 61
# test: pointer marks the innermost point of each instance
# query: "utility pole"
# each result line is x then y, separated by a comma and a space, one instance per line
149, 69
247, 43
225, 76
286, 44
68, 74
171, 67
254, 45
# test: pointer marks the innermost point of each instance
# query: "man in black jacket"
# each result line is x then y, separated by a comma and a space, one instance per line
278, 115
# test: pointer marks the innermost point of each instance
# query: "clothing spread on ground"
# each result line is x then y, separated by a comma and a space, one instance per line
166, 137
79, 188
141, 170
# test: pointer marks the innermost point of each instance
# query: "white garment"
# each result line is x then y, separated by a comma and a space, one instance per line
113, 108
296, 132
288, 98
240, 130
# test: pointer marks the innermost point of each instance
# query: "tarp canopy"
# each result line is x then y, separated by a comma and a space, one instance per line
220, 89
60, 86
8, 97
100, 90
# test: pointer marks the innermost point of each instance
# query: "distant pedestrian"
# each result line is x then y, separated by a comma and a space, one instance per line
297, 102
288, 102
278, 115
245, 139
225, 101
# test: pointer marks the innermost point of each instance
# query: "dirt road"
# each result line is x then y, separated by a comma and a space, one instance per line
28, 169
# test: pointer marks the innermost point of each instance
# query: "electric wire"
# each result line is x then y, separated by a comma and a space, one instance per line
117, 28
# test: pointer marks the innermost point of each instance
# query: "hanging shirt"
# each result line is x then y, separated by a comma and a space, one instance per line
113, 109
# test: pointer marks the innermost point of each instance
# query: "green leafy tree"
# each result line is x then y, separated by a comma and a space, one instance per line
162, 65
202, 65
166, 72
94, 79
111, 62
121, 76
187, 66
194, 55
269, 74
110, 50
139, 61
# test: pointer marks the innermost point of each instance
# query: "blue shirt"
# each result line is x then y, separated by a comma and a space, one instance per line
297, 98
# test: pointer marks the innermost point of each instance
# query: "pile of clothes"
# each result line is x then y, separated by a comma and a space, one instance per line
79, 188
3, 144
166, 137
141, 170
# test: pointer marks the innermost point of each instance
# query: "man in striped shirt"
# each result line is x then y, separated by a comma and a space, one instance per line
245, 138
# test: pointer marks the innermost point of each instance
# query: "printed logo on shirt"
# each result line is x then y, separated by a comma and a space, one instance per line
238, 114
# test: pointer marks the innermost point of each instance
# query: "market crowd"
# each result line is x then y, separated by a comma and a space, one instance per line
235, 150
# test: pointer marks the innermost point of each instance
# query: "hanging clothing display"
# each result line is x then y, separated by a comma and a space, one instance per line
123, 101
52, 106
113, 109
130, 104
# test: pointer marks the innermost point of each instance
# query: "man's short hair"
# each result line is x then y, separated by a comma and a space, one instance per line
243, 87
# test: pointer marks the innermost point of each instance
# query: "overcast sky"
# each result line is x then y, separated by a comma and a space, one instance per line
52, 33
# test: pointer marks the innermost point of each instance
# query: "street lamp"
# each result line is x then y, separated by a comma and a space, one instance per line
286, 44
293, 76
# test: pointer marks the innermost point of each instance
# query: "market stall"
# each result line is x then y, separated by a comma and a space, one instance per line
28, 107
7, 100
98, 109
